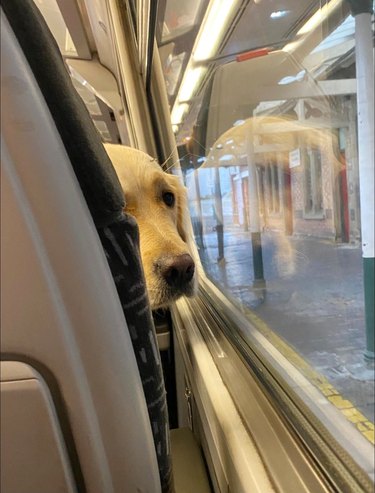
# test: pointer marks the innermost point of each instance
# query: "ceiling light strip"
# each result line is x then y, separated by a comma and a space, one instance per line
215, 23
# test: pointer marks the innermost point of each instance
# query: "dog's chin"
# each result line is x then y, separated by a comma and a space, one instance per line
162, 296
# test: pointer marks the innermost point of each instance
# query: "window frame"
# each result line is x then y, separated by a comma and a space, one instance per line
299, 418
262, 365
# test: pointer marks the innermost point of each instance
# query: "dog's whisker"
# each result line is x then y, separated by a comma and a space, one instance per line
174, 163
168, 158
166, 169
200, 144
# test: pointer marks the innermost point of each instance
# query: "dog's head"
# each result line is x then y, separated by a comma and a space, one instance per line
157, 200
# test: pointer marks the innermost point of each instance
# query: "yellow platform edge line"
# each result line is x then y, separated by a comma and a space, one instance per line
346, 407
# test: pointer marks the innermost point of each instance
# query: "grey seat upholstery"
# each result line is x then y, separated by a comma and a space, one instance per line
120, 242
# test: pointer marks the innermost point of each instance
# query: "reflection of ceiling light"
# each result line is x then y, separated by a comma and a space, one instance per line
317, 18
292, 78
237, 123
286, 80
178, 113
190, 82
279, 13
226, 157
309, 26
213, 27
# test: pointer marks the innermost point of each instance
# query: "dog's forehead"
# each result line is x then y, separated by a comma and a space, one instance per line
129, 162
143, 172
137, 171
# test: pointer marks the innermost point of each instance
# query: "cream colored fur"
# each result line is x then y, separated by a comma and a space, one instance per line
162, 228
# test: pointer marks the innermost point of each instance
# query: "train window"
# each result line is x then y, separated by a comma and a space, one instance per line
178, 18
276, 148
90, 63
54, 18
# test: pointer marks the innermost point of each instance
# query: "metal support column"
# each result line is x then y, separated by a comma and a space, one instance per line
254, 214
219, 216
199, 224
362, 11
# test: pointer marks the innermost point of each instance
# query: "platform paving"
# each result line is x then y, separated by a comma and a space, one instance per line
313, 299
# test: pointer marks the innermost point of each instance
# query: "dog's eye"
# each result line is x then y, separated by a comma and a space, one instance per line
168, 199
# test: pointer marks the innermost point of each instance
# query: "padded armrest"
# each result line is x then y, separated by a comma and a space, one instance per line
189, 471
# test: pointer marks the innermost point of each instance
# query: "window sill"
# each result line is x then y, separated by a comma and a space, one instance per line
297, 421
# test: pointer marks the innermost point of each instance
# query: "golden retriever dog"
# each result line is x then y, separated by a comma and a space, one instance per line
157, 200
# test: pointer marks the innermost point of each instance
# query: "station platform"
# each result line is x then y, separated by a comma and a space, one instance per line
312, 301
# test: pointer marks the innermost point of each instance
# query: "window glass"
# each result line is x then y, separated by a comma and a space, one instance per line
177, 27
172, 66
52, 15
103, 130
88, 98
102, 114
179, 17
265, 118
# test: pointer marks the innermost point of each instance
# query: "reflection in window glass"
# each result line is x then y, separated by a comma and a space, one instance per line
54, 19
313, 182
88, 98
103, 130
269, 147
103, 116
179, 17
172, 71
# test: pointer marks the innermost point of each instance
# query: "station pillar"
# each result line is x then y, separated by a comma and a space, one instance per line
199, 225
219, 216
362, 11
254, 213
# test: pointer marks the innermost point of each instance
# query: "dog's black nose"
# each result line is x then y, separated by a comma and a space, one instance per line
177, 271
